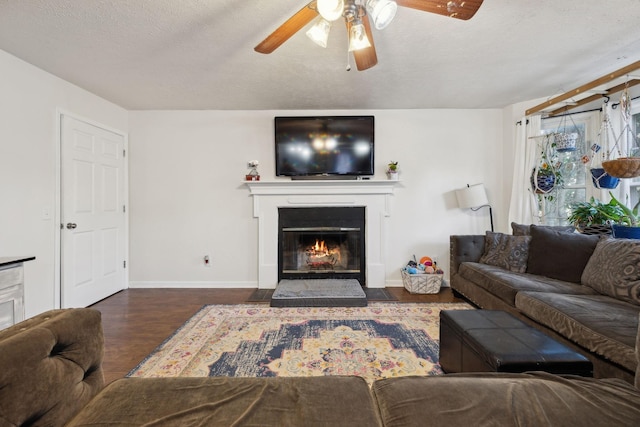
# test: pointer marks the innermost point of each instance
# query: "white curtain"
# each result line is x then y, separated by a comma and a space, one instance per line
523, 208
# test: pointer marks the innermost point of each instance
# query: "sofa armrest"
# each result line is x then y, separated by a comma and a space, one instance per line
50, 366
464, 248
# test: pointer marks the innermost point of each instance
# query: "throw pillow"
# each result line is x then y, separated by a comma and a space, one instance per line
505, 251
525, 230
559, 255
614, 269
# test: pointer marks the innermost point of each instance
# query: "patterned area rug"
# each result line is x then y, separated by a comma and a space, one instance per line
379, 341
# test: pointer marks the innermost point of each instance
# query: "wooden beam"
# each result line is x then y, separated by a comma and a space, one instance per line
592, 98
579, 90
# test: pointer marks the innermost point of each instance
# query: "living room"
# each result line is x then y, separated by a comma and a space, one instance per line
178, 95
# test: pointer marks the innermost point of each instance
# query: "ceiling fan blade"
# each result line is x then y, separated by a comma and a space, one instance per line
460, 9
288, 29
367, 57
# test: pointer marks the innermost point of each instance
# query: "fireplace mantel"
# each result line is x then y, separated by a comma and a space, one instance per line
268, 196
321, 187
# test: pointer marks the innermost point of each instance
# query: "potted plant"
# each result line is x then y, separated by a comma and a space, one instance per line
392, 171
547, 175
627, 165
595, 217
628, 225
545, 178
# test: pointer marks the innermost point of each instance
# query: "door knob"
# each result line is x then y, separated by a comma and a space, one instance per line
71, 225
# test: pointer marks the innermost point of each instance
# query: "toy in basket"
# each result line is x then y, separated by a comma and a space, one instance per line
422, 278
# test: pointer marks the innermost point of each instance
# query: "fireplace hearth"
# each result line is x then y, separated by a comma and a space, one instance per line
322, 243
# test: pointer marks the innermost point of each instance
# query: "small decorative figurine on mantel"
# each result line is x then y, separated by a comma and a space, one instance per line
253, 174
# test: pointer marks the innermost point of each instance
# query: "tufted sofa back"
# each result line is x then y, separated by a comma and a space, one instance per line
50, 367
464, 248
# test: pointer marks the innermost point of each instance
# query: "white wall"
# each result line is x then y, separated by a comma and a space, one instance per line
29, 102
187, 198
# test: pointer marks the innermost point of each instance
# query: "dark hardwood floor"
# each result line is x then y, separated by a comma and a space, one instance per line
136, 321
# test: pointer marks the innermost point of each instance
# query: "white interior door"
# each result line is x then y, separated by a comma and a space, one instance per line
92, 213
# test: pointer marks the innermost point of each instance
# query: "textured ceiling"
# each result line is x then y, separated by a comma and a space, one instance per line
198, 54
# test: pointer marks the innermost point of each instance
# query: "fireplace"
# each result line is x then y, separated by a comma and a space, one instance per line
322, 243
374, 197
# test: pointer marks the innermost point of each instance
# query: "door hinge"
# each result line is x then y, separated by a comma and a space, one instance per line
124, 208
124, 264
124, 153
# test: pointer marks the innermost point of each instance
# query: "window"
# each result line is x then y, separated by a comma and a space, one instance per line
555, 206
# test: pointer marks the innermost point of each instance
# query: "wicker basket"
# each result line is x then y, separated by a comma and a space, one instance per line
422, 283
596, 230
624, 167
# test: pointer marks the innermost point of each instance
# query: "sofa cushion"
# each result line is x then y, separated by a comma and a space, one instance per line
508, 252
598, 323
499, 399
558, 254
614, 269
525, 229
637, 379
225, 401
506, 284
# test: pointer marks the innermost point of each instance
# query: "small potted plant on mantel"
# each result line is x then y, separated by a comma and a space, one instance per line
392, 171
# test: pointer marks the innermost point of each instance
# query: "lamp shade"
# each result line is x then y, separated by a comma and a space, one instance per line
472, 196
319, 32
358, 37
381, 12
330, 9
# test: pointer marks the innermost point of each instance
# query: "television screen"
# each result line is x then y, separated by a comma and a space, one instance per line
336, 145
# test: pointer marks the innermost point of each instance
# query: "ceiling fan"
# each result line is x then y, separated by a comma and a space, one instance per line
356, 14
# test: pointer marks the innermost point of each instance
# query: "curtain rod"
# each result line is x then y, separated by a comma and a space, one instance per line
614, 106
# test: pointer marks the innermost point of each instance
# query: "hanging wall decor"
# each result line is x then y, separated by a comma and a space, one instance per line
627, 163
600, 151
546, 174
567, 135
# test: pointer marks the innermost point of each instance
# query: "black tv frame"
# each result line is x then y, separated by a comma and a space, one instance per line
322, 120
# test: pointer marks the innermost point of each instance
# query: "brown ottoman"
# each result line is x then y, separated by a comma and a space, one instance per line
495, 341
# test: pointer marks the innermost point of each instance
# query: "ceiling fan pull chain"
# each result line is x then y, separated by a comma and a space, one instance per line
348, 61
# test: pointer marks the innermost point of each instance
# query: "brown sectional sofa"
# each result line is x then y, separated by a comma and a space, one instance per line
51, 375
599, 321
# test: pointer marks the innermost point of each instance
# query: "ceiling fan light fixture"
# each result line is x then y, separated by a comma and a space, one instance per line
319, 32
382, 12
358, 37
330, 9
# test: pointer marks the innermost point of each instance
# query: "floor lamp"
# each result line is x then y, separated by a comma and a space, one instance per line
474, 197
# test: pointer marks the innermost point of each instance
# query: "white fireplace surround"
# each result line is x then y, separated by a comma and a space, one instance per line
374, 195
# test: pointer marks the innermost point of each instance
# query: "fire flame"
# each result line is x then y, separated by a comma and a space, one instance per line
321, 255
320, 248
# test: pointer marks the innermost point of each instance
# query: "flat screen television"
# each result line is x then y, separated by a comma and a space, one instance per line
325, 146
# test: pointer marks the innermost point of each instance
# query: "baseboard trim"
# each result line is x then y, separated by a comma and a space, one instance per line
196, 285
